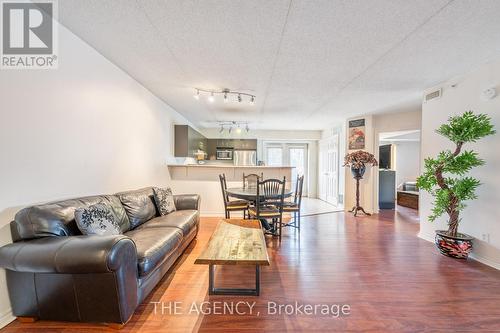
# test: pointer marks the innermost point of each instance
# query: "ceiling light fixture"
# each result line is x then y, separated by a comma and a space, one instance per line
211, 98
226, 94
236, 125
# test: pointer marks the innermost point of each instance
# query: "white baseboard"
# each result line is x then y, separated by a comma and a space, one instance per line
6, 318
426, 236
484, 260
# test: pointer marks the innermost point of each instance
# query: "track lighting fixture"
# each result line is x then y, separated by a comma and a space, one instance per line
226, 94
238, 126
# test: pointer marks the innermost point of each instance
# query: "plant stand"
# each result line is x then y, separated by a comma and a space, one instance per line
357, 208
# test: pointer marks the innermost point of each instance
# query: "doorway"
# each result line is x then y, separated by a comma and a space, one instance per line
399, 167
329, 170
289, 154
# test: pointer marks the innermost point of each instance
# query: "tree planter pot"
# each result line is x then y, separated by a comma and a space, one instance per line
457, 247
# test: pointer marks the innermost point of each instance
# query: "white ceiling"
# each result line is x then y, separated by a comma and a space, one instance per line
310, 62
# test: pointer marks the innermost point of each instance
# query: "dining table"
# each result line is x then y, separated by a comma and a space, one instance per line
250, 194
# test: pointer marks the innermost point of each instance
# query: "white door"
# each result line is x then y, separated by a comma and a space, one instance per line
329, 171
289, 154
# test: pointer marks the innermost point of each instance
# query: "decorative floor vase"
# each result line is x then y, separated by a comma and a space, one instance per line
457, 247
358, 173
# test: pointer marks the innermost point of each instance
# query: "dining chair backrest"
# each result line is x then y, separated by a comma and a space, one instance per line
250, 181
271, 189
223, 185
297, 199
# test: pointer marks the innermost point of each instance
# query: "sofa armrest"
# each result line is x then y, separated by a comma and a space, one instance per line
187, 201
72, 254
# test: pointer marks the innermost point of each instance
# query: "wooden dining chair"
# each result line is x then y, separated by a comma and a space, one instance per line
250, 181
264, 209
294, 206
231, 205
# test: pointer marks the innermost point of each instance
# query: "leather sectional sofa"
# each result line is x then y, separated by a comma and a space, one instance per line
55, 273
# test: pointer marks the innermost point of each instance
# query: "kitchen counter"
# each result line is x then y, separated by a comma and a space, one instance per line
211, 172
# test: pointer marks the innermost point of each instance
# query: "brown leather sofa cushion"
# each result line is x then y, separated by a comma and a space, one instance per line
139, 205
154, 245
185, 220
58, 218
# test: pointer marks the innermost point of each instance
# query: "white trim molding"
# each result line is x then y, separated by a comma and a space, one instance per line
6, 318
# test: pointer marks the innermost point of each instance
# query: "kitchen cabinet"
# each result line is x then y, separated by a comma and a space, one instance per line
187, 141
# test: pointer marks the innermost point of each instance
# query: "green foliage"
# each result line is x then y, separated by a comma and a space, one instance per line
450, 193
441, 202
462, 163
468, 127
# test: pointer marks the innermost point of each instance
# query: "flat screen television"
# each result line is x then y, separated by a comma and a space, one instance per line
385, 157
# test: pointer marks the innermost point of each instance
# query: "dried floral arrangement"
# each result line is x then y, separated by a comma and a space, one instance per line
359, 159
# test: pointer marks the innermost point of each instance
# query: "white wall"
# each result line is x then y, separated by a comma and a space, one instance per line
407, 161
366, 184
85, 128
481, 215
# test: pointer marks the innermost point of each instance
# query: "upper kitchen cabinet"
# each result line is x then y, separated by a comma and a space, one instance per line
188, 141
245, 144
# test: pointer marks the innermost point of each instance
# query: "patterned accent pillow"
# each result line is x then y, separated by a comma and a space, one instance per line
97, 219
164, 200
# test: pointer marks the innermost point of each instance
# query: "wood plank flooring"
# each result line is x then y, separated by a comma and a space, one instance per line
391, 280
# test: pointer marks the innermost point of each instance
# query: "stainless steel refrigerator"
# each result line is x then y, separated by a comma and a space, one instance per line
245, 157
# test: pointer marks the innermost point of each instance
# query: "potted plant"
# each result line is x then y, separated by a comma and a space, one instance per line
445, 179
357, 161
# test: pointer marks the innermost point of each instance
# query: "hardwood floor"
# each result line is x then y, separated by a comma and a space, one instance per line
392, 281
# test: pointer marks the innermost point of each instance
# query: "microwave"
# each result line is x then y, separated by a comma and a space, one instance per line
224, 154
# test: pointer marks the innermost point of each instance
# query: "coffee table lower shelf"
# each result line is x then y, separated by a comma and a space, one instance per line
212, 290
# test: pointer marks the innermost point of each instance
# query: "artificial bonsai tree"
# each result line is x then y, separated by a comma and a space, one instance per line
445, 178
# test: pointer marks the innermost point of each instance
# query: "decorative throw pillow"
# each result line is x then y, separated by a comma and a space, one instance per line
97, 219
164, 200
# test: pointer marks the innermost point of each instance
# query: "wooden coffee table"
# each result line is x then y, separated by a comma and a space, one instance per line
235, 242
